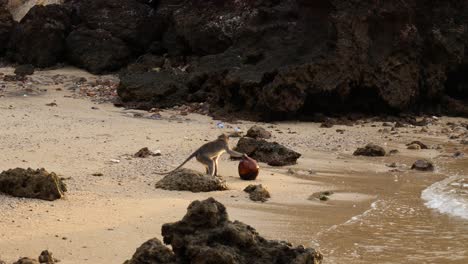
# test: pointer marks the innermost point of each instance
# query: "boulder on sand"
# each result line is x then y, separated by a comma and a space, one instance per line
190, 180
370, 150
6, 27
206, 235
258, 132
39, 38
422, 165
419, 143
271, 153
29, 183
257, 193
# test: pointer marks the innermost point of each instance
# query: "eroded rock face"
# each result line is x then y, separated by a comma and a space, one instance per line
97, 51
370, 150
6, 27
133, 22
39, 38
152, 252
30, 183
291, 58
190, 180
206, 235
271, 153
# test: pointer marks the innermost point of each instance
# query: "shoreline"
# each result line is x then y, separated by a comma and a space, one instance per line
122, 209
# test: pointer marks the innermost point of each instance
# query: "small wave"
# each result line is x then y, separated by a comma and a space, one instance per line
449, 196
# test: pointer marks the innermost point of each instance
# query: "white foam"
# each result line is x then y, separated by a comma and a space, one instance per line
442, 197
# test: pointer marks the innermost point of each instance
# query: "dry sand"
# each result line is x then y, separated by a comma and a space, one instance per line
103, 219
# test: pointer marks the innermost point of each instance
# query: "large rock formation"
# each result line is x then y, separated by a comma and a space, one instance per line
39, 38
6, 26
292, 58
190, 180
30, 183
205, 235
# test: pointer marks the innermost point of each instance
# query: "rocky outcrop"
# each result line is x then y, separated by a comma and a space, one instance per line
190, 180
29, 183
206, 235
6, 27
292, 58
271, 153
370, 150
39, 38
96, 50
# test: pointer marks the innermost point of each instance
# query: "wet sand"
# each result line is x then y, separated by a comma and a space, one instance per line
374, 215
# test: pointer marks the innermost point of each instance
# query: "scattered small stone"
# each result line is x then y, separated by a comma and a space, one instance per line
392, 165
423, 165
258, 132
52, 104
370, 150
46, 257
257, 193
399, 124
385, 124
458, 154
464, 142
341, 131
115, 161
144, 153
98, 174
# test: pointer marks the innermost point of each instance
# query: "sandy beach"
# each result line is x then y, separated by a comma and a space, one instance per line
103, 219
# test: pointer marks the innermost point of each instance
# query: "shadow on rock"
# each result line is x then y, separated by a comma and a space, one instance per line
206, 235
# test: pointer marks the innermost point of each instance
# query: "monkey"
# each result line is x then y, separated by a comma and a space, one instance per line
209, 153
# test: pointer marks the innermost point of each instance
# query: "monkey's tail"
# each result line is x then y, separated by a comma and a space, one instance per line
183, 163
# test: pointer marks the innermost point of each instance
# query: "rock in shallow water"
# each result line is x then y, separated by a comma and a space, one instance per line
30, 183
206, 236
190, 180
271, 153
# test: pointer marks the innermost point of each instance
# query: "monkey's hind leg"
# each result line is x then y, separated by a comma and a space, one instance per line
209, 164
216, 166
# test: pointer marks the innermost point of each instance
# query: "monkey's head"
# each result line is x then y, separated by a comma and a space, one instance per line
223, 137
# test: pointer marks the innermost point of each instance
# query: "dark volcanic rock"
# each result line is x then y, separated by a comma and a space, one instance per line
39, 38
271, 153
96, 50
370, 150
286, 59
152, 252
257, 193
30, 183
258, 132
135, 23
190, 180
205, 235
419, 143
23, 70
140, 89
46, 257
422, 165
6, 27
